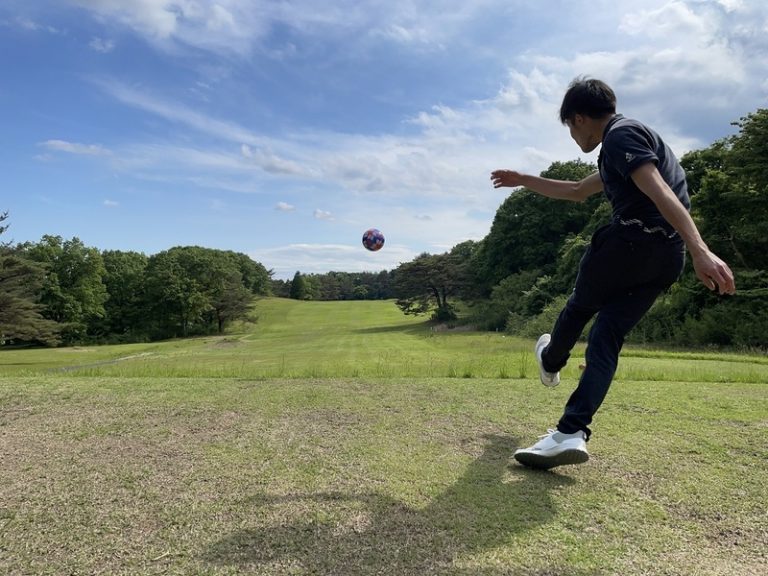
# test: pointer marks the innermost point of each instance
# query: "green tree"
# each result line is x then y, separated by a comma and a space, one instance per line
124, 281
731, 198
330, 286
230, 281
507, 299
255, 277
749, 153
21, 318
194, 290
280, 288
431, 282
298, 287
730, 181
73, 292
698, 163
347, 285
173, 299
360, 292
383, 285
229, 299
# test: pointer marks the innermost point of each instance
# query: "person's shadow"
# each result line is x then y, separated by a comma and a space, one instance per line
356, 534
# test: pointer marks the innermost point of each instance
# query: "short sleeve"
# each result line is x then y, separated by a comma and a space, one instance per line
626, 148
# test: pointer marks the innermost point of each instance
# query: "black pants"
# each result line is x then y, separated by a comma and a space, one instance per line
620, 276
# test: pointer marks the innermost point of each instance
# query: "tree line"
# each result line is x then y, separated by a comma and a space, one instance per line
60, 291
337, 286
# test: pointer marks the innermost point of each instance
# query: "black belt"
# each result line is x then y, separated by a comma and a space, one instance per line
647, 228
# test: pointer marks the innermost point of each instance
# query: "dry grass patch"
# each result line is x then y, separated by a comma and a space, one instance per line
363, 477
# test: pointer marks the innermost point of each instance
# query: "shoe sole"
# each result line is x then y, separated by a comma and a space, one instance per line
544, 380
547, 383
542, 462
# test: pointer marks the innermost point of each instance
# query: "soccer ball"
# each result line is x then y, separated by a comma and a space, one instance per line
373, 239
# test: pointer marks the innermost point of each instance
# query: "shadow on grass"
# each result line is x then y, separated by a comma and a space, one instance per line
423, 328
337, 533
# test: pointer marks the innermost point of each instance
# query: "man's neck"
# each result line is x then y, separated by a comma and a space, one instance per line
601, 124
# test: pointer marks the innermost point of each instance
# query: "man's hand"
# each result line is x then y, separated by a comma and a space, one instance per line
507, 178
713, 272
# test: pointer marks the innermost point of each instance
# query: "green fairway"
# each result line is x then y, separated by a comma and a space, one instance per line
357, 339
343, 438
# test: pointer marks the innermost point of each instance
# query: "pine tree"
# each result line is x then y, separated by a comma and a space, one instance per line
20, 282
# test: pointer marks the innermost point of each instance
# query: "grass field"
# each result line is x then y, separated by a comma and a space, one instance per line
345, 438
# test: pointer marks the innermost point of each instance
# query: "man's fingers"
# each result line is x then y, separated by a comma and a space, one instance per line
724, 279
716, 275
720, 281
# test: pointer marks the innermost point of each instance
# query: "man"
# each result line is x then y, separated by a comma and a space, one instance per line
628, 264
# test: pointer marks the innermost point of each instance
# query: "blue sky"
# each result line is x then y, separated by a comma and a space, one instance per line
284, 129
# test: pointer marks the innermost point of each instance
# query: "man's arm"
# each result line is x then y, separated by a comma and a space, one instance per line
560, 189
710, 269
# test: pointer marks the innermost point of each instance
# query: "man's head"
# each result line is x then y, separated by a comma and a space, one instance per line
587, 106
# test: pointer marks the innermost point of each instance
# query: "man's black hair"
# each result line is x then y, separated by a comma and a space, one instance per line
588, 97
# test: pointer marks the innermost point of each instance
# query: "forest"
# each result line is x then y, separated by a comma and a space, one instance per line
61, 292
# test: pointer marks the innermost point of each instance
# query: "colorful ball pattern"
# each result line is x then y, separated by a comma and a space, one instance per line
373, 239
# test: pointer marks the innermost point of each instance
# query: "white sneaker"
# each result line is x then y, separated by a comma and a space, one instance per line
547, 378
555, 449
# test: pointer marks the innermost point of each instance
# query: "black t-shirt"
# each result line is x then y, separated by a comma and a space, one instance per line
627, 145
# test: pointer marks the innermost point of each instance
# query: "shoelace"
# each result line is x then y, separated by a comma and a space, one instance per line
549, 433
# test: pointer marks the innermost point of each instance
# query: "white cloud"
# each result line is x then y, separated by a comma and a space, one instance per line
176, 112
111, 203
102, 45
322, 214
227, 26
34, 26
405, 35
731, 5
270, 162
454, 147
172, 159
242, 27
285, 207
676, 17
75, 148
